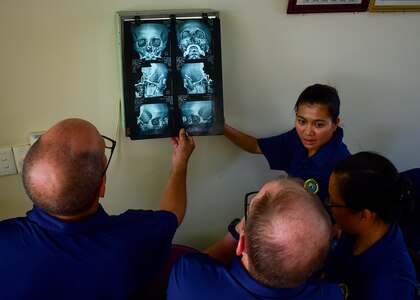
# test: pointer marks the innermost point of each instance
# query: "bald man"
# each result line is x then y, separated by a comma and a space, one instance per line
283, 241
67, 246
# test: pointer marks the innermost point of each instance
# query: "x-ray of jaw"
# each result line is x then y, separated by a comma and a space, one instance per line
197, 114
153, 81
150, 40
194, 39
195, 80
153, 118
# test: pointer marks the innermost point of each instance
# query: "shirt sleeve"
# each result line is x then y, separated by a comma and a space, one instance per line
185, 280
161, 221
278, 150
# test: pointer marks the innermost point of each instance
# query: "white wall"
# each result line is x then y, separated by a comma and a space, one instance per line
58, 59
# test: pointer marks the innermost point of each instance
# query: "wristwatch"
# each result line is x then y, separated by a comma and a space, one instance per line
232, 229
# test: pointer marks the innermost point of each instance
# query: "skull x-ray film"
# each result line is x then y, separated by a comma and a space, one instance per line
150, 39
171, 73
152, 82
193, 38
195, 80
197, 116
153, 118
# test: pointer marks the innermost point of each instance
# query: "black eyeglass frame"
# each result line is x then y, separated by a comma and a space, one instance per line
112, 148
329, 206
247, 203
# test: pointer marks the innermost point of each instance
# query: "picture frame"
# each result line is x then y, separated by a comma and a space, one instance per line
170, 72
326, 6
394, 5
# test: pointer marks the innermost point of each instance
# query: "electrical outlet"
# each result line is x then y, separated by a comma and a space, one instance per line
7, 162
19, 153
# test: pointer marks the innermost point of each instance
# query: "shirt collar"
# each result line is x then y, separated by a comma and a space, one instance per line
375, 252
256, 288
51, 223
326, 151
377, 249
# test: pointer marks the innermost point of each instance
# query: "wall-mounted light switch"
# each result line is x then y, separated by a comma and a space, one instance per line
7, 162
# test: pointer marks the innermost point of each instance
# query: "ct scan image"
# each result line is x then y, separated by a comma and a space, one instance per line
153, 118
194, 39
150, 40
171, 72
195, 80
197, 115
152, 82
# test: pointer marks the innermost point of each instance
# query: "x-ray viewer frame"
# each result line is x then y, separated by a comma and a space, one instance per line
171, 73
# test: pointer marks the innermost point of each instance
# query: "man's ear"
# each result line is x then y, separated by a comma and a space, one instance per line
365, 216
240, 248
101, 189
242, 252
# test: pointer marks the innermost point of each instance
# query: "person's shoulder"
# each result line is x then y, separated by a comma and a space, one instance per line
390, 259
15, 230
397, 258
331, 154
392, 243
197, 276
146, 215
341, 152
197, 260
289, 138
12, 224
340, 148
156, 220
194, 267
291, 134
12, 221
390, 286
322, 289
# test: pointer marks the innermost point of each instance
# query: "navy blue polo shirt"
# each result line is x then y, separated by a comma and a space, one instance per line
101, 257
384, 271
198, 276
286, 152
410, 223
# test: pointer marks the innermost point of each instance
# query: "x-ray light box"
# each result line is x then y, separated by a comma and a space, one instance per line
171, 73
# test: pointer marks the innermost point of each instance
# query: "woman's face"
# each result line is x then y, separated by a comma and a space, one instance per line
314, 126
345, 217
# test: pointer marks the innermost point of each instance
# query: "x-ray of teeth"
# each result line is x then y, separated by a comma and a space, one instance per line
197, 114
150, 40
195, 80
153, 81
153, 118
194, 39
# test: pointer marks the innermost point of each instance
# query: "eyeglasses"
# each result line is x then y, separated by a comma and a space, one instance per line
329, 205
110, 145
247, 202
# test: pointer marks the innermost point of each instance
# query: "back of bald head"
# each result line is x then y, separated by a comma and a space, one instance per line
63, 169
287, 235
